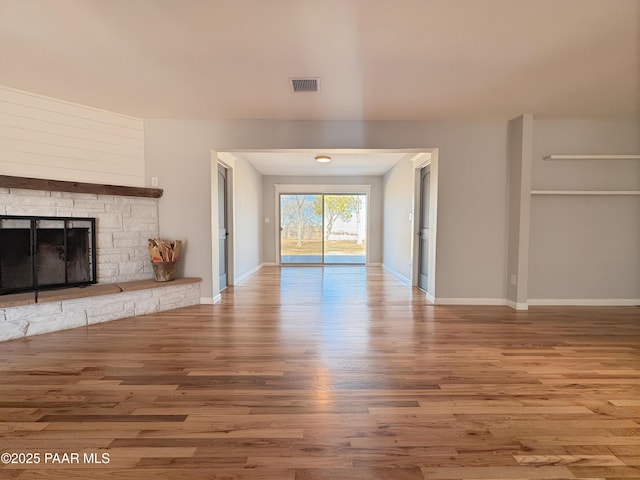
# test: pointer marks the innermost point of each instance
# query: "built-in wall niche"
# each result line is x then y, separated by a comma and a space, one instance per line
46, 252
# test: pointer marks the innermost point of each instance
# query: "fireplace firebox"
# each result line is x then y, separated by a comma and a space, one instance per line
38, 253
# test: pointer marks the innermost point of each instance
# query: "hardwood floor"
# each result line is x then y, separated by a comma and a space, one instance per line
341, 373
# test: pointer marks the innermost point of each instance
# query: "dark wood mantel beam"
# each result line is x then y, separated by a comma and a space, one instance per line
7, 181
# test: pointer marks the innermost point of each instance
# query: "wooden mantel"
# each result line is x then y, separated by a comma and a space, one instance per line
7, 181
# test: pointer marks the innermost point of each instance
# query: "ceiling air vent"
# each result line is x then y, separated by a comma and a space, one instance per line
304, 84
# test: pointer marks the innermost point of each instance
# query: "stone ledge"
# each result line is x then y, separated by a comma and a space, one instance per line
17, 299
148, 284
30, 298
77, 292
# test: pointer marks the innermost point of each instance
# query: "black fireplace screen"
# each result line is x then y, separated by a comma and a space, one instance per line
46, 252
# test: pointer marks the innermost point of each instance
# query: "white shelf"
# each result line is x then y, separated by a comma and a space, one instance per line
592, 157
585, 192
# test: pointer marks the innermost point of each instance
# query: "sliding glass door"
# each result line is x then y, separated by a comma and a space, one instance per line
345, 228
323, 228
300, 229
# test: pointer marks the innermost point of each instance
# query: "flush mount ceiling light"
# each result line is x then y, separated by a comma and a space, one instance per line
323, 159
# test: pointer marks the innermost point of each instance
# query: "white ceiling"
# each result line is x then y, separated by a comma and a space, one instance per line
377, 59
302, 162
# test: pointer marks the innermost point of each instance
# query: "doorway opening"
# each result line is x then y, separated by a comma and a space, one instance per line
223, 226
323, 228
423, 232
425, 167
277, 167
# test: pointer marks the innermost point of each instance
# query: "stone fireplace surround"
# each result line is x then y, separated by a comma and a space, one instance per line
125, 220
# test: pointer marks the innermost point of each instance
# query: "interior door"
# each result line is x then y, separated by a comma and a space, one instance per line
423, 233
223, 233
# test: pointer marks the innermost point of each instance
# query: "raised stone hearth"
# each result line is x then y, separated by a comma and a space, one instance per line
26, 314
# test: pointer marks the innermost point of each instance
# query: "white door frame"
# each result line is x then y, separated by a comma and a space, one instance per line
419, 161
422, 155
227, 211
228, 162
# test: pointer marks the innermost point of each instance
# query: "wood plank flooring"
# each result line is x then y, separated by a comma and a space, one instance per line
327, 374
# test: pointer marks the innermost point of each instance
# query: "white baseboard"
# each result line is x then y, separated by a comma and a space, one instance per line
246, 275
210, 301
399, 276
585, 302
471, 301
517, 306
431, 298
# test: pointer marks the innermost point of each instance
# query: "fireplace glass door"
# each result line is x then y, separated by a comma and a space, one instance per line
46, 252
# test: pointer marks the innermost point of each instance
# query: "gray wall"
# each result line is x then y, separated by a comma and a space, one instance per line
375, 209
585, 247
179, 154
398, 205
247, 184
580, 247
472, 185
472, 205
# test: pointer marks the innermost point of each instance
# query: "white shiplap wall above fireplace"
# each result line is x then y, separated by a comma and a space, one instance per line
43, 137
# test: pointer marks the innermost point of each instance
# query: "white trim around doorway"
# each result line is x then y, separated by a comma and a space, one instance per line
419, 161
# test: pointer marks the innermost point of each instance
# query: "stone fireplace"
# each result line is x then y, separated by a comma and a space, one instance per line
122, 225
119, 221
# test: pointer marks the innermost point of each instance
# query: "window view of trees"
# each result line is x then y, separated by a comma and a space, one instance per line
317, 228
299, 219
